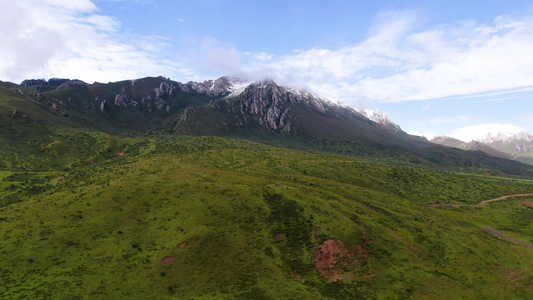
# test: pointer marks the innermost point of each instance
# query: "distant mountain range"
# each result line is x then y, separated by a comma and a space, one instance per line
261, 111
507, 145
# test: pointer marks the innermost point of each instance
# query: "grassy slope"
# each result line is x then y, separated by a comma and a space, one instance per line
225, 200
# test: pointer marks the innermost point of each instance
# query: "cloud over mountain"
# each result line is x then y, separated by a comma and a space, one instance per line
400, 61
48, 38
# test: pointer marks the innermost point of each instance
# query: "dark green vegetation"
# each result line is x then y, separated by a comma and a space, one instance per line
92, 214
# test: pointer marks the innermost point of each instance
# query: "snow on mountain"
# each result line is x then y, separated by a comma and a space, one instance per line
237, 87
506, 137
379, 117
324, 98
517, 145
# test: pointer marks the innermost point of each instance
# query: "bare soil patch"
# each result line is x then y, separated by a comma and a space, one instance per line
333, 256
168, 259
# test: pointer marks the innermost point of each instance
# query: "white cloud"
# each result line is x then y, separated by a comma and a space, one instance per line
68, 38
427, 134
400, 62
263, 56
495, 99
479, 132
209, 58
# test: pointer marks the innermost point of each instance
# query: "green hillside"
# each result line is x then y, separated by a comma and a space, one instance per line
120, 203
212, 218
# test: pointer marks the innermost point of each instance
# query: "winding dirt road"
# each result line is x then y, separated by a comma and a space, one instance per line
480, 203
503, 235
491, 230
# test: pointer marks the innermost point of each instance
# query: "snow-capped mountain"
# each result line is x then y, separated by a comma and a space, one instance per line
232, 88
236, 88
516, 145
520, 144
379, 117
504, 137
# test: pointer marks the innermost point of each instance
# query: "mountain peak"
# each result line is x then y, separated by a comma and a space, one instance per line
379, 117
506, 137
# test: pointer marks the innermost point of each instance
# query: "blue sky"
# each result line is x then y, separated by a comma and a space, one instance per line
460, 68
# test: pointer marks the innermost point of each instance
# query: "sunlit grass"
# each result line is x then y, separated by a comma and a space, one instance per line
101, 229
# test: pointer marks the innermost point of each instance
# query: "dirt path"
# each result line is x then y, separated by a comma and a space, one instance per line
503, 235
502, 198
491, 230
480, 203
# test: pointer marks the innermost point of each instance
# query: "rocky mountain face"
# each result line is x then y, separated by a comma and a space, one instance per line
213, 88
266, 103
54, 83
224, 106
272, 104
269, 107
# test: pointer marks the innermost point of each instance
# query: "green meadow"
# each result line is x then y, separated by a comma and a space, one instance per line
95, 216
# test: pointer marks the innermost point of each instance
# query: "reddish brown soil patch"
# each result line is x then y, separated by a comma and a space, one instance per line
278, 236
168, 259
528, 203
73, 245
182, 244
333, 256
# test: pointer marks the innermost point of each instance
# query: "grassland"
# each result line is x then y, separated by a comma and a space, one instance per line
93, 216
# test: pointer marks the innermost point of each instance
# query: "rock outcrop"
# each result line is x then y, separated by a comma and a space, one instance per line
213, 88
70, 83
123, 100
103, 106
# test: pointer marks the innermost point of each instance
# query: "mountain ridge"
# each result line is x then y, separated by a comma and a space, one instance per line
516, 146
261, 111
